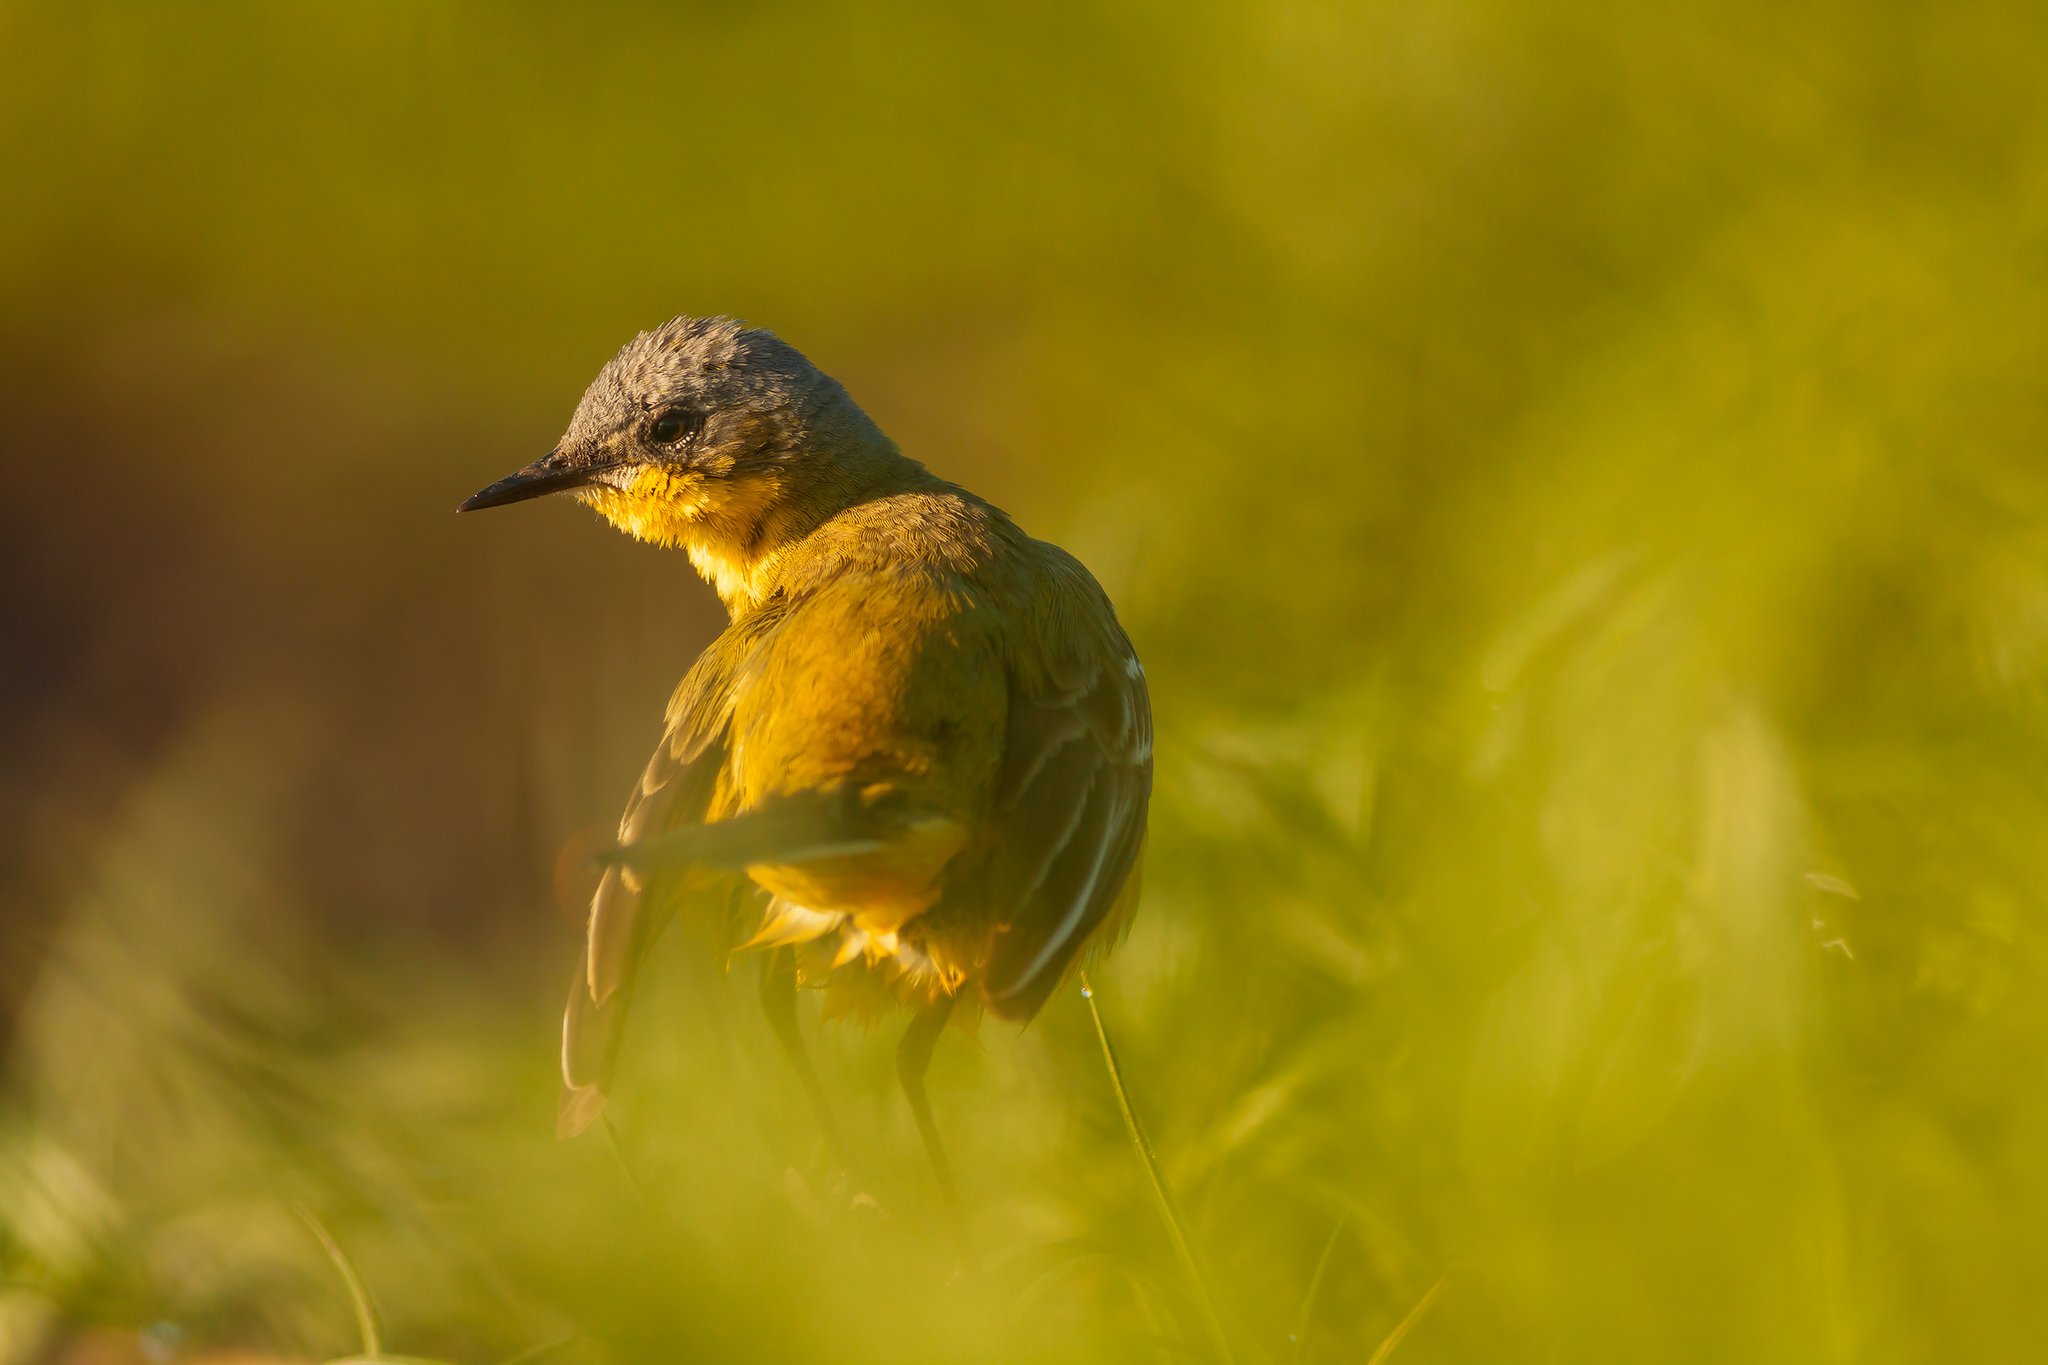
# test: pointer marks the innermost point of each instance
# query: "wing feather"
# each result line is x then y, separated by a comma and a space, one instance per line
1070, 801
630, 909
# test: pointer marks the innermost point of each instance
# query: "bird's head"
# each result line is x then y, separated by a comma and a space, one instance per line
709, 435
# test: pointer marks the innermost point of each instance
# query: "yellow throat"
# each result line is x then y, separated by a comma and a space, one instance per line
718, 521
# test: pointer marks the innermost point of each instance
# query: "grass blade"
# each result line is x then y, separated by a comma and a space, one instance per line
1162, 1193
1407, 1324
1315, 1288
359, 1296
611, 1137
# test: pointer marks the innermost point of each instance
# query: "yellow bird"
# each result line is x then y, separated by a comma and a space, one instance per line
915, 766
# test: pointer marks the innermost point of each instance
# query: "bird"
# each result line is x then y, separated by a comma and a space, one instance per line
913, 770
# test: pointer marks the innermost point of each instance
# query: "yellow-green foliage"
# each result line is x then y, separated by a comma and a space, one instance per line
1576, 476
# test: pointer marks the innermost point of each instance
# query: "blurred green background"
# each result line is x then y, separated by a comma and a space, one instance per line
1576, 475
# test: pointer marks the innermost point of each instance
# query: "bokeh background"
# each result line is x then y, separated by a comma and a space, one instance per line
1576, 475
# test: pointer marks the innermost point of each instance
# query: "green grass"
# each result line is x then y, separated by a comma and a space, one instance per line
1573, 477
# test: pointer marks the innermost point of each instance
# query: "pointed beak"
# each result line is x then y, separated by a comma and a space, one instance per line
551, 473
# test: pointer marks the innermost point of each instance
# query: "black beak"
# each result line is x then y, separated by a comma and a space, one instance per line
551, 473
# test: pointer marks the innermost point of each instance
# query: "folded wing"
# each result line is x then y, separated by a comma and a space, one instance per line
630, 908
1070, 810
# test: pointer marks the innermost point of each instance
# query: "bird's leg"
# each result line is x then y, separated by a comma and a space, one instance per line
913, 1059
778, 1002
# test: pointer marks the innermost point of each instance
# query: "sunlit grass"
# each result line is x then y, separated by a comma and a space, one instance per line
1574, 479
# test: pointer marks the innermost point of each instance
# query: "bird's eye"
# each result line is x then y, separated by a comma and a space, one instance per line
672, 427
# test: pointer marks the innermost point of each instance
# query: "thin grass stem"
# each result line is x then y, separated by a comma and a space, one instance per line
1407, 1324
1162, 1193
359, 1295
611, 1137
1315, 1288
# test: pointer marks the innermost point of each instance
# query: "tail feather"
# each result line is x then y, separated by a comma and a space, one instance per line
591, 1033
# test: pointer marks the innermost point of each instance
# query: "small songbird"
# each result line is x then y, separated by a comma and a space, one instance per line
914, 767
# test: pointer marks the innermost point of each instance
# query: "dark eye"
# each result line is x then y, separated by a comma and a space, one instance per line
672, 427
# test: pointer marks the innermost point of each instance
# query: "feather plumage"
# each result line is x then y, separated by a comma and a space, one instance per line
921, 752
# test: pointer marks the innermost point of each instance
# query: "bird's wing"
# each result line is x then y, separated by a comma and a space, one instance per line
1070, 807
630, 909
